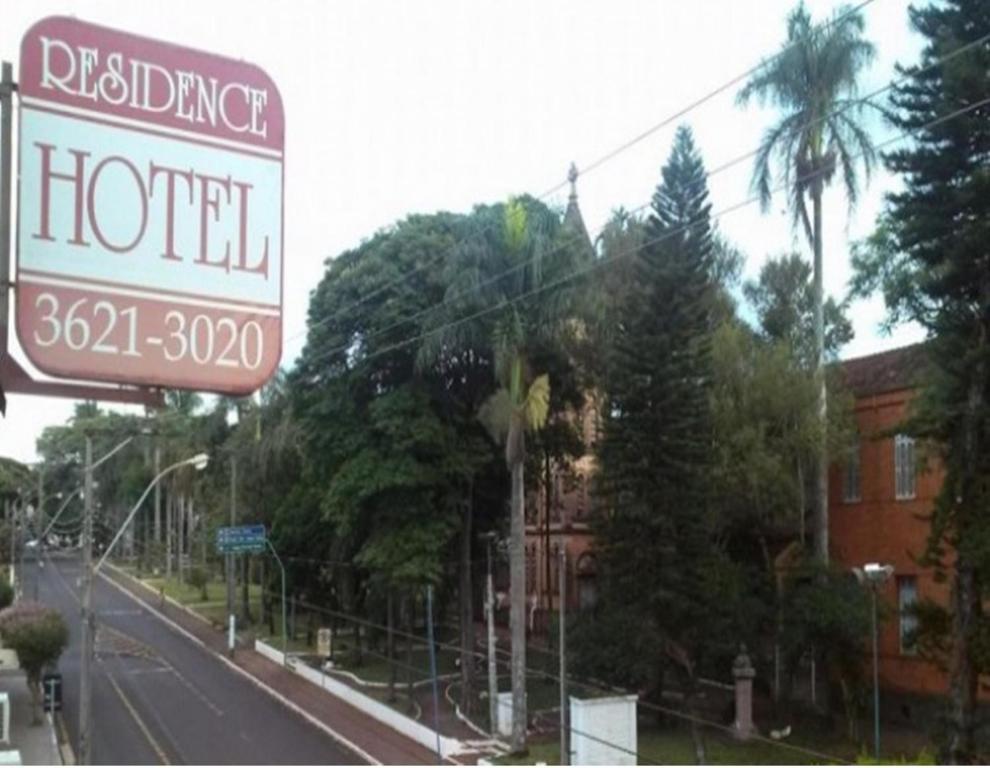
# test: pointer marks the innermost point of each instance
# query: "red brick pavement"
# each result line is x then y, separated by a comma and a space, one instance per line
376, 739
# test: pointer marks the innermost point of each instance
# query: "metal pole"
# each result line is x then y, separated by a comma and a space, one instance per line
85, 669
285, 634
565, 755
8, 514
492, 670
433, 668
876, 682
19, 550
158, 497
231, 620
39, 526
7, 88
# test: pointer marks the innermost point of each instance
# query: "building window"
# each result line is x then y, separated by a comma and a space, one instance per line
850, 477
905, 467
907, 599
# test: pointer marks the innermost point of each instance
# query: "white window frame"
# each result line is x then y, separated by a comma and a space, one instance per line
905, 468
852, 492
907, 621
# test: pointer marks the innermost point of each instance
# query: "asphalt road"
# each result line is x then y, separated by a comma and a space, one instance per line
159, 698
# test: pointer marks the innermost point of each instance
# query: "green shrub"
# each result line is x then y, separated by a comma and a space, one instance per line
38, 635
198, 579
6, 593
924, 757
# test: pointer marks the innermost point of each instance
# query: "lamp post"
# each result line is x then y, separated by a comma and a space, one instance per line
490, 620
88, 572
873, 575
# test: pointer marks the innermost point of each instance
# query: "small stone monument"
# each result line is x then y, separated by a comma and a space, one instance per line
743, 674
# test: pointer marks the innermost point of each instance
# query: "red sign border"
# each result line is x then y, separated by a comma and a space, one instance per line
191, 386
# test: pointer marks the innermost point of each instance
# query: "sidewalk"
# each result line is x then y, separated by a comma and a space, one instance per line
377, 741
36, 743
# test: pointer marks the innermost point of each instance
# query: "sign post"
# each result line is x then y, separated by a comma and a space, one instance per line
149, 246
252, 539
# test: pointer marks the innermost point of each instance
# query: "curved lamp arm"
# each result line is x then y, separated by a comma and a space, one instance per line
199, 461
65, 504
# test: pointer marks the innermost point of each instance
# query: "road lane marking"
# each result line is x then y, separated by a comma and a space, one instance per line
137, 719
195, 691
286, 702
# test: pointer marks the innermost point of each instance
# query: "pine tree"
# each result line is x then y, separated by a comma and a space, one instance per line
931, 259
655, 537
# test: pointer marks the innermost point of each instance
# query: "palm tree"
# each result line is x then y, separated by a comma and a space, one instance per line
813, 82
523, 251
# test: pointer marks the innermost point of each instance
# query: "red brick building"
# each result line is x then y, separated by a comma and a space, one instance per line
878, 498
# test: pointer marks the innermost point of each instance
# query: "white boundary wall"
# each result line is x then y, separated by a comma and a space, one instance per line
603, 731
383, 713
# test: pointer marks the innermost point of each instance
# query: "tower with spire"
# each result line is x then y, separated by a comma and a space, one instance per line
573, 220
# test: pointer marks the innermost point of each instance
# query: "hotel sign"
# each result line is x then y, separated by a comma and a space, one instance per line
150, 217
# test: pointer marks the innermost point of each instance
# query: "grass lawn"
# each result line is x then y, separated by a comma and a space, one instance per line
375, 669
674, 747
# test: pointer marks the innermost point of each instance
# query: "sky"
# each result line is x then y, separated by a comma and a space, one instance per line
397, 107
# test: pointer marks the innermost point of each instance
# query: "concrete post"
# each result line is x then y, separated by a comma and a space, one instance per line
743, 674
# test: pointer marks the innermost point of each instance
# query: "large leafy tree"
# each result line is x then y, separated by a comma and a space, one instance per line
385, 471
657, 534
931, 260
813, 81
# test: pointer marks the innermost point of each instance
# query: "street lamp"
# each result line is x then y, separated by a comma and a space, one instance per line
873, 575
199, 461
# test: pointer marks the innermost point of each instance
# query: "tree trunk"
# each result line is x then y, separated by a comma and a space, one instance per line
548, 500
169, 514
466, 605
963, 679
697, 738
517, 588
821, 496
966, 597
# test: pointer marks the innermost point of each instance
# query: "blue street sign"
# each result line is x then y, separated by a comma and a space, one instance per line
238, 539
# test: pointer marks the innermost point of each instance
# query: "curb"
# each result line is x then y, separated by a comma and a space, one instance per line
255, 681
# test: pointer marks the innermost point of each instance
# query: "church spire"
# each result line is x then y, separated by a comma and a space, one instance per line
573, 219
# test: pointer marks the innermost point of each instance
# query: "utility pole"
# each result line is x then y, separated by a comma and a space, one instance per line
10, 513
565, 755
40, 524
158, 497
433, 668
88, 628
231, 597
492, 670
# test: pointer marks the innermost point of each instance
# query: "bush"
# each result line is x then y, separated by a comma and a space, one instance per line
6, 593
198, 579
38, 635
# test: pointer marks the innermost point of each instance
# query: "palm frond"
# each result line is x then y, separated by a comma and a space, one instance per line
537, 404
496, 414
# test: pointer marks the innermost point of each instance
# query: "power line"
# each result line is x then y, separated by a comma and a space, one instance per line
595, 265
571, 680
476, 289
591, 167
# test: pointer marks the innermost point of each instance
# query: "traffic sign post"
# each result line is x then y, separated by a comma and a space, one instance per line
150, 212
241, 539
252, 540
